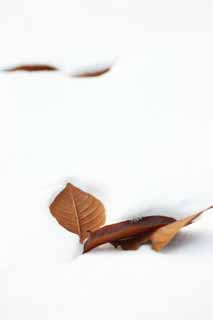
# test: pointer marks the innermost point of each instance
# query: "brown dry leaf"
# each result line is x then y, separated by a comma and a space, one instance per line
125, 229
90, 74
162, 236
78, 211
134, 242
32, 68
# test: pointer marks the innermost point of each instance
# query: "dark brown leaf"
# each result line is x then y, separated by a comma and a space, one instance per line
134, 242
78, 211
32, 68
125, 229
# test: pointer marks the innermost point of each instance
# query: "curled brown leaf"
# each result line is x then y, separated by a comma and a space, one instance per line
134, 242
90, 74
122, 230
162, 236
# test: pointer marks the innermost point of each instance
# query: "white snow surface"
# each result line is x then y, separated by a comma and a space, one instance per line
139, 138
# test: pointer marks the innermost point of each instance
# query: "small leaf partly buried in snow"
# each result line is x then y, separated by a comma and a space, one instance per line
90, 74
162, 236
78, 211
31, 68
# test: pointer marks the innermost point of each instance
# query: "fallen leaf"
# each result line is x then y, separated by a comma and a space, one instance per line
32, 68
134, 242
124, 229
90, 74
162, 236
78, 211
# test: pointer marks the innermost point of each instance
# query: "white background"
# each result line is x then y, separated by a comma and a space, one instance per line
139, 138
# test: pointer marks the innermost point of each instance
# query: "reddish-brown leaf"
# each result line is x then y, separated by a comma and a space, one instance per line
78, 211
32, 68
134, 242
125, 229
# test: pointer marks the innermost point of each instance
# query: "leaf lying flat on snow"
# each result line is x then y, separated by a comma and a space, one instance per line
32, 68
162, 236
78, 211
122, 230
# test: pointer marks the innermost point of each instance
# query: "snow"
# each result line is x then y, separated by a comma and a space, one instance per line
139, 138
